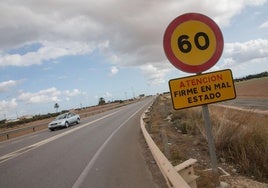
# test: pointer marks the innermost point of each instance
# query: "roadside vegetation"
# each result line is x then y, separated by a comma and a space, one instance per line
241, 138
260, 75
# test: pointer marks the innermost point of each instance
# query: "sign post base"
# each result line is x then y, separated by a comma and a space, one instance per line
211, 145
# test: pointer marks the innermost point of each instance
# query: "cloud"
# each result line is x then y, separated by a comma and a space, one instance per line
127, 33
127, 26
48, 51
106, 95
246, 51
156, 74
237, 55
42, 96
73, 93
48, 95
264, 25
114, 70
7, 85
8, 105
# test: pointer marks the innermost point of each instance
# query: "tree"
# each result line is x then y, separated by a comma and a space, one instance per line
101, 101
56, 106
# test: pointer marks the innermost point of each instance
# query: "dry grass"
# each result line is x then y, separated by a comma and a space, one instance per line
242, 139
188, 120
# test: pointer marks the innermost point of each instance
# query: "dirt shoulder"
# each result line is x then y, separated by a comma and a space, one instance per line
179, 146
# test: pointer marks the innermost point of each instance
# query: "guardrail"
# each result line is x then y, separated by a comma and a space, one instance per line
7, 134
33, 128
181, 176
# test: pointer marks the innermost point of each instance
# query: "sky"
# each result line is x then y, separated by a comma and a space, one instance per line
74, 52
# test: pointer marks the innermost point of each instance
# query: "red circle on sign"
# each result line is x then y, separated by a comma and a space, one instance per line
186, 67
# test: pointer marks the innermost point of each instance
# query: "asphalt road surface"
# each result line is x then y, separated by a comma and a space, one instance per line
249, 103
103, 151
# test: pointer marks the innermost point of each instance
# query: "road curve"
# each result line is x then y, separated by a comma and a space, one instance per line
102, 151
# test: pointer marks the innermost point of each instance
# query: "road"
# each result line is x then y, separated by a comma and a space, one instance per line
249, 103
102, 151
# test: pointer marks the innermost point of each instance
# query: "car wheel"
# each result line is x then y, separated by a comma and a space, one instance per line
77, 121
51, 129
66, 124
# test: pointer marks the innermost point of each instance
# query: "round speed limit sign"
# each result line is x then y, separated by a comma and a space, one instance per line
193, 42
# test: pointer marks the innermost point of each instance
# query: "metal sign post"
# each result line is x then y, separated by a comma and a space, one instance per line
211, 144
193, 43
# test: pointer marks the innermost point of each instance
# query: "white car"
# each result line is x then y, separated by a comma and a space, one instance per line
64, 120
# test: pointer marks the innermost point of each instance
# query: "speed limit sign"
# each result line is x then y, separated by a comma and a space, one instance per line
193, 42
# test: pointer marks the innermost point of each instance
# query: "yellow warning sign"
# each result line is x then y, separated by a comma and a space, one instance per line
202, 89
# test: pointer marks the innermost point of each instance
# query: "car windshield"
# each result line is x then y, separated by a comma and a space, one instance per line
62, 116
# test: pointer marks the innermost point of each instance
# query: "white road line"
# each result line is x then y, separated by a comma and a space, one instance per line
90, 164
16, 153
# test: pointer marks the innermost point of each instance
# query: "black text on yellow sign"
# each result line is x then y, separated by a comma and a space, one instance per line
202, 89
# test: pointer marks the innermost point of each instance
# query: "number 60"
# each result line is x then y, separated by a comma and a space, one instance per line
185, 45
